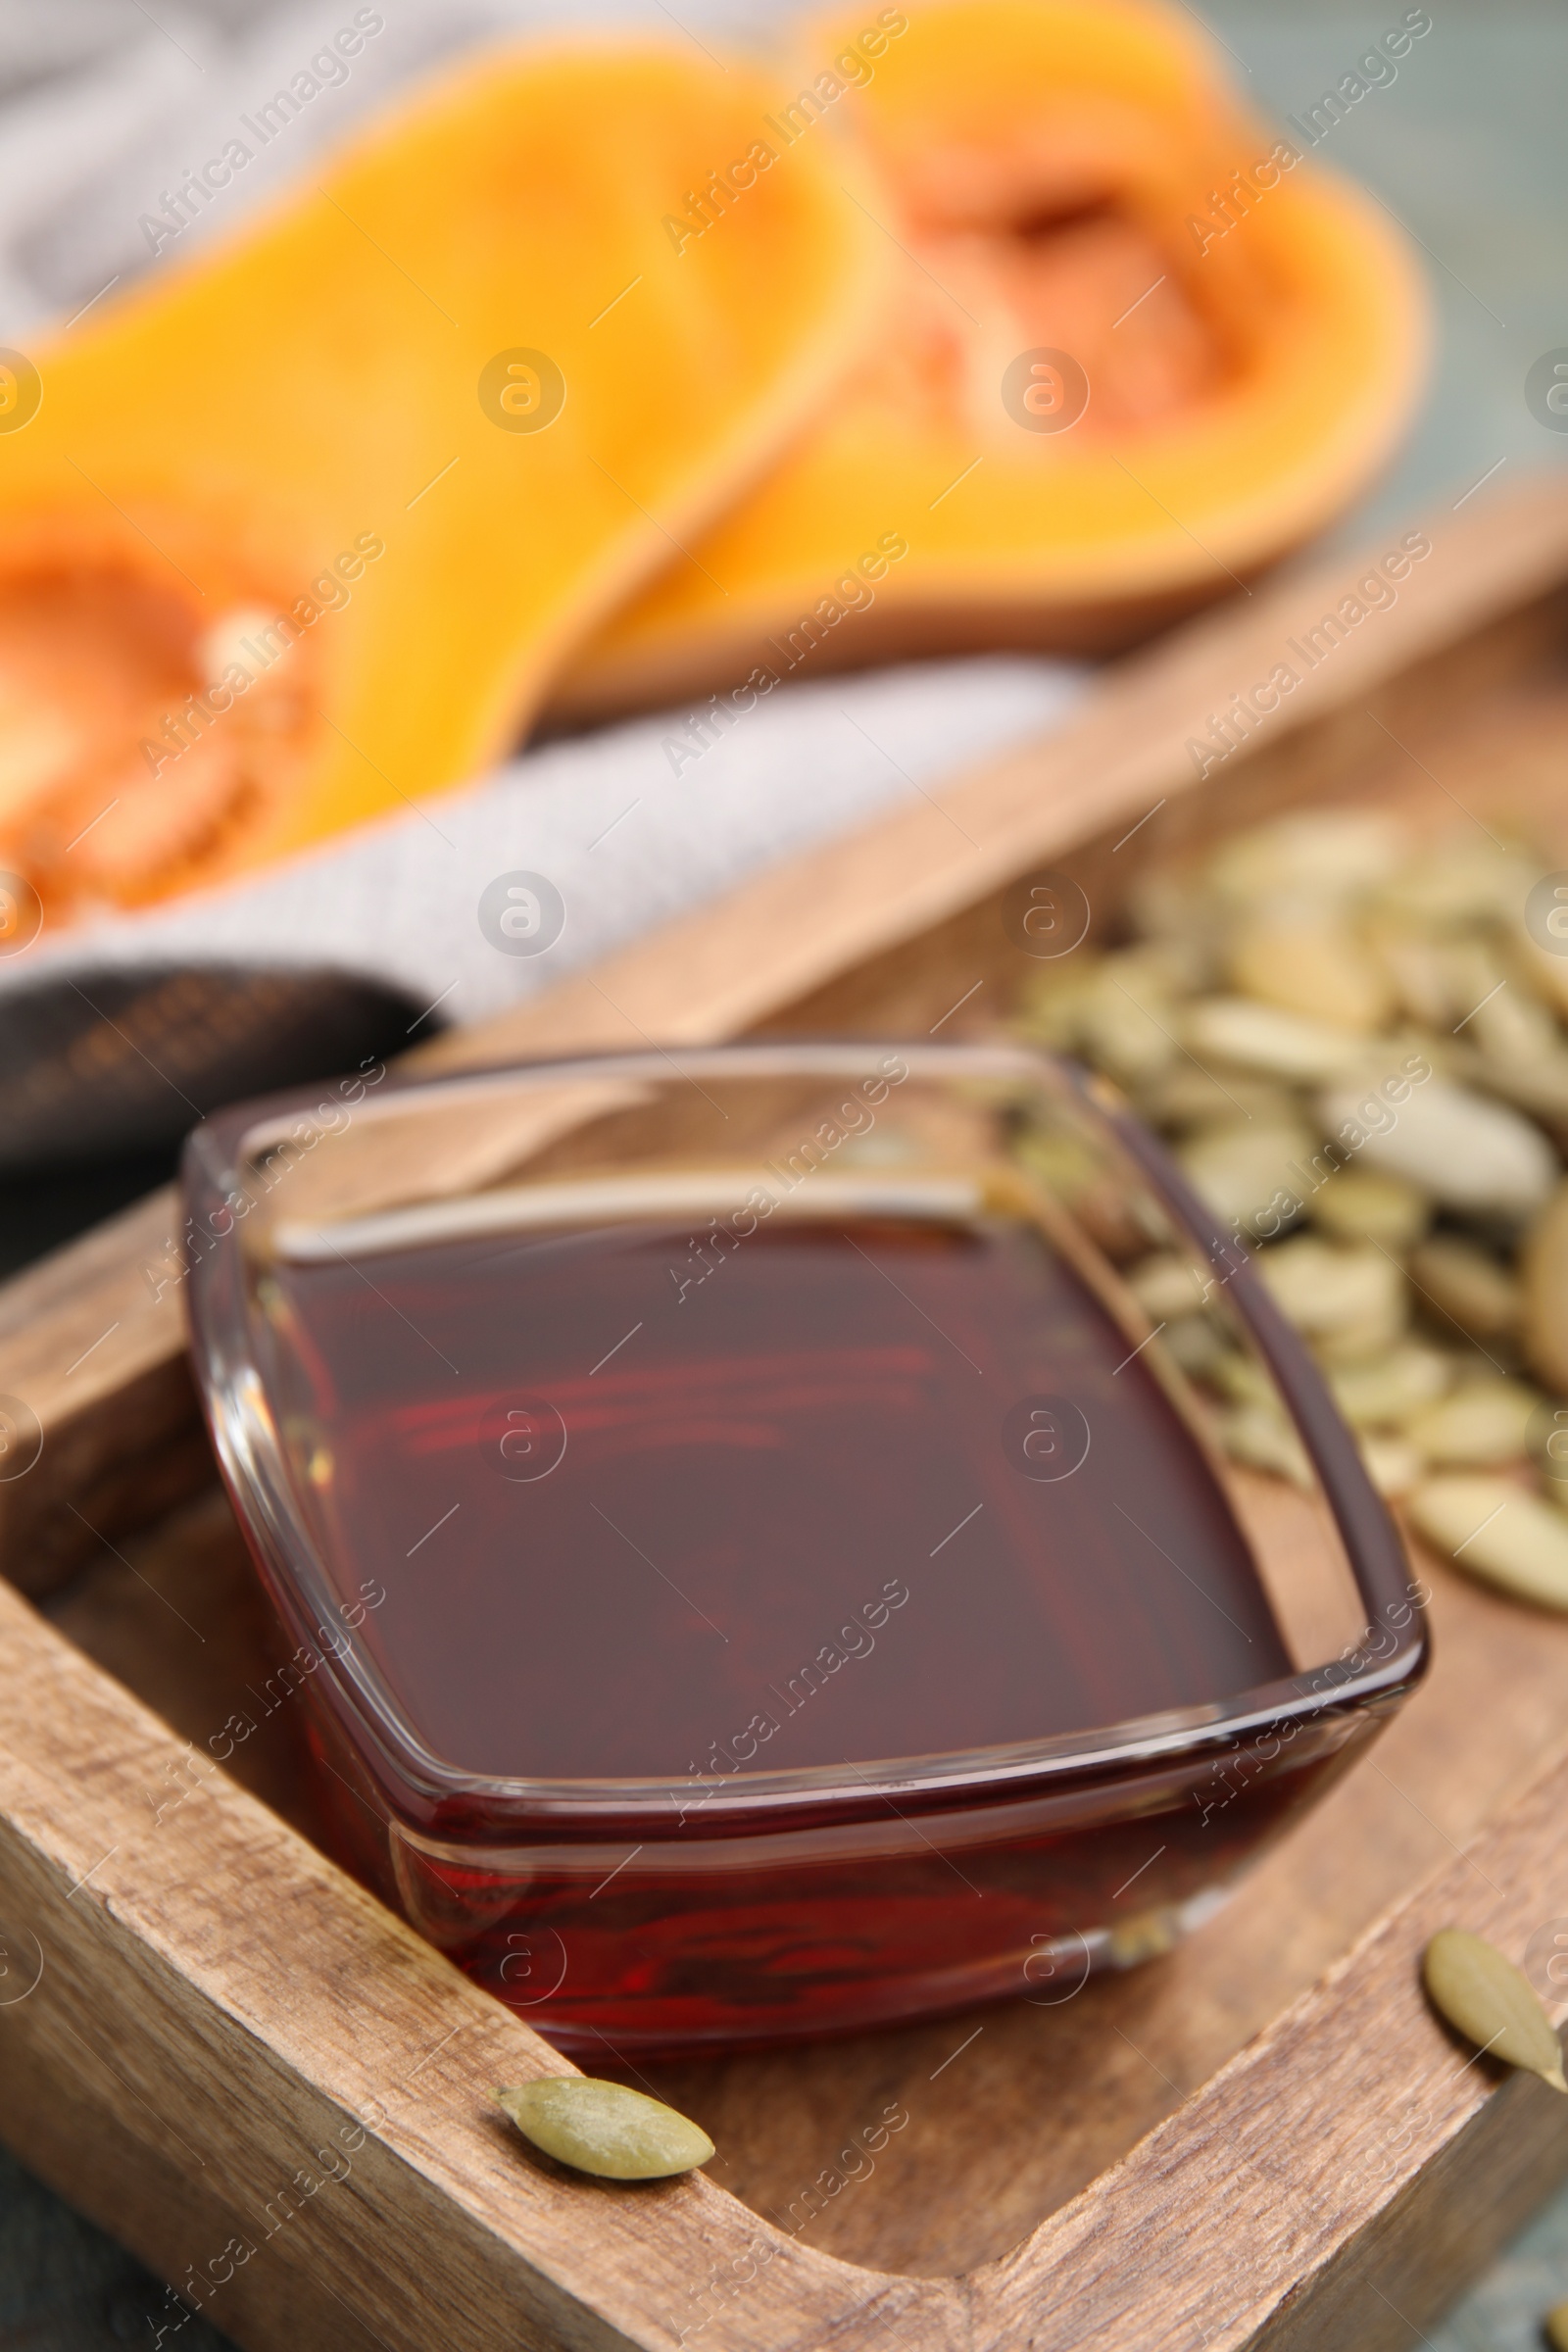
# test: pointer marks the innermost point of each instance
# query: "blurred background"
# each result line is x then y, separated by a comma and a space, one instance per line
107, 105
105, 102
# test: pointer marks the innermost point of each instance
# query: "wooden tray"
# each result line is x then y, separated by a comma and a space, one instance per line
226, 2051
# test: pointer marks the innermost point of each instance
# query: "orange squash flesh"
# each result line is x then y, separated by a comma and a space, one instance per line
1062, 176
274, 468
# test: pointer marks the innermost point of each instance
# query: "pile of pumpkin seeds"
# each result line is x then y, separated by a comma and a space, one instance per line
1280, 994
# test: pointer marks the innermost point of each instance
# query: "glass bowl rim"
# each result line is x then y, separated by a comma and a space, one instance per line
1359, 1679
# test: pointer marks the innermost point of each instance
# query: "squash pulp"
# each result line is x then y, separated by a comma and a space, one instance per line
1144, 345
300, 528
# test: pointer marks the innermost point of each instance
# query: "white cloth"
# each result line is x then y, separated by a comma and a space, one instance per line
104, 109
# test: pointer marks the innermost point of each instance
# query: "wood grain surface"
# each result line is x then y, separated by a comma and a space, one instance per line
1046, 2097
217, 2006
1264, 2139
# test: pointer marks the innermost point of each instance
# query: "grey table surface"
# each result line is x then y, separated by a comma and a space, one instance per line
1465, 146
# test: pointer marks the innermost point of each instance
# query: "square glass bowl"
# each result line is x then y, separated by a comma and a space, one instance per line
773, 1542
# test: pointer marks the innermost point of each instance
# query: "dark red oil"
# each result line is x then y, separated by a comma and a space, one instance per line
813, 1506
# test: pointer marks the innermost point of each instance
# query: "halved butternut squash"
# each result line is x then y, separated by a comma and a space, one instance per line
296, 533
1143, 347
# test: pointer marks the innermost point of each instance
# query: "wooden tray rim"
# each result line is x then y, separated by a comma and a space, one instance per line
75, 1848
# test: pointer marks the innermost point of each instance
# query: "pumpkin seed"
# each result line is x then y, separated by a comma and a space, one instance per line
1548, 974
1421, 971
1540, 1086
1185, 1096
1351, 1345
1458, 881
1118, 1010
1549, 1443
1159, 967
1068, 1165
1497, 1530
1130, 1036
1243, 1173
1481, 1422
1544, 1270
1312, 853
1049, 1009
1392, 1387
1167, 905
1393, 1465
1510, 1027
1276, 1043
1467, 1285
1307, 964
1193, 1342
1242, 1379
604, 2128
1468, 1152
1456, 978
1479, 1989
1324, 1287
1369, 1204
1259, 1435
1166, 1286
